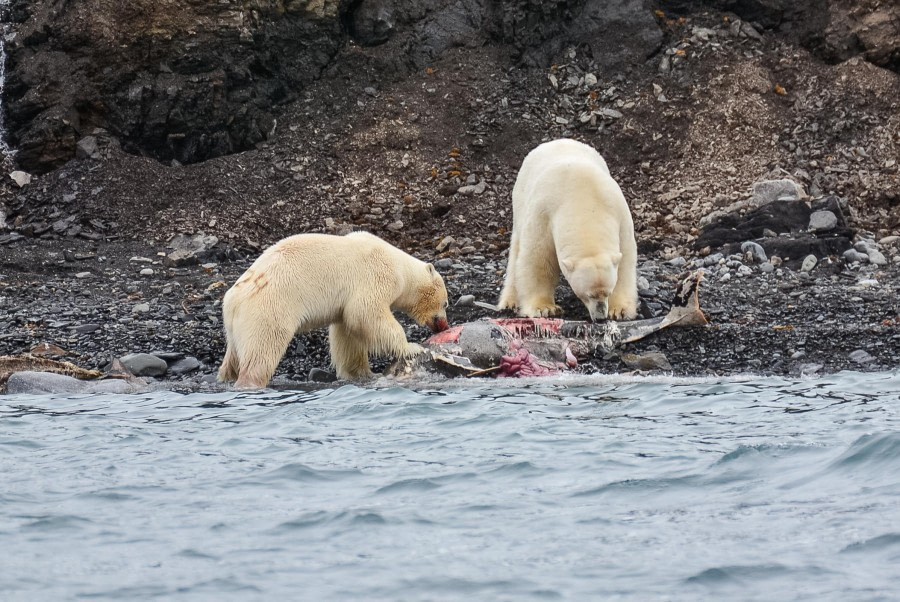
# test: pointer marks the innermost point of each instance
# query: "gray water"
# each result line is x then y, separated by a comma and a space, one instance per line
562, 490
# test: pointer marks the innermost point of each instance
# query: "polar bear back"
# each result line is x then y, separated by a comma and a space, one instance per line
566, 185
353, 263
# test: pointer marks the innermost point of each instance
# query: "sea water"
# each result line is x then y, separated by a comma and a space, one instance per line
590, 489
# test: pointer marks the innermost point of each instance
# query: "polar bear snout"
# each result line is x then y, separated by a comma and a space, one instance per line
598, 308
438, 324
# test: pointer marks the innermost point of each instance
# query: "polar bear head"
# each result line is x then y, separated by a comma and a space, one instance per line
430, 305
593, 279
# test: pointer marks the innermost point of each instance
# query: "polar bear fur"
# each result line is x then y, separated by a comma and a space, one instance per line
349, 283
570, 216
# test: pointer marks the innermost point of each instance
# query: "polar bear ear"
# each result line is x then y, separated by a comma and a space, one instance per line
431, 269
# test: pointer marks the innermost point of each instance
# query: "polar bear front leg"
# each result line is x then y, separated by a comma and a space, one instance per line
349, 354
509, 296
537, 273
623, 301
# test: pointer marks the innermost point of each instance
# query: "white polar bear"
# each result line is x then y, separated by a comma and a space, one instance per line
350, 283
569, 215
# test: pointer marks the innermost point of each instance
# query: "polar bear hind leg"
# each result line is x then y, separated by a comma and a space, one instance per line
259, 354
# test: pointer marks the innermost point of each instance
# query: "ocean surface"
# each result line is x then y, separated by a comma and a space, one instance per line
608, 488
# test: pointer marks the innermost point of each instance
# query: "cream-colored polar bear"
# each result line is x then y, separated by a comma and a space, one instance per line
569, 215
350, 283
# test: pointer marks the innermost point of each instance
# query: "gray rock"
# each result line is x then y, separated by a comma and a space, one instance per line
854, 256
465, 301
809, 262
83, 275
147, 272
643, 284
87, 148
42, 383
768, 191
754, 251
443, 264
822, 221
318, 375
190, 250
85, 328
766, 268
184, 366
677, 262
21, 178
876, 257
861, 356
144, 364
653, 360
140, 308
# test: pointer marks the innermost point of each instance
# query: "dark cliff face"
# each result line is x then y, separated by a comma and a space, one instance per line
188, 80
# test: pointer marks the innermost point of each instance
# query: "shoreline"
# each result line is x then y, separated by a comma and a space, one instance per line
98, 301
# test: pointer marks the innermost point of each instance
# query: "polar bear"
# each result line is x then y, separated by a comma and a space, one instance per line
349, 283
569, 215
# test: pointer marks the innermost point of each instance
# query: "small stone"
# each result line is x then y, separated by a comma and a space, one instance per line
21, 178
754, 252
445, 242
798, 355
744, 271
854, 256
861, 356
822, 221
809, 262
140, 308
443, 264
643, 284
370, 91
87, 148
318, 375
653, 360
83, 275
677, 262
465, 301
395, 226
767, 267
876, 257
147, 272
144, 364
85, 328
184, 366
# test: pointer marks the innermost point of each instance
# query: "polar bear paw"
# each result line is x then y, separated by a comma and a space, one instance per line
412, 350
619, 310
540, 310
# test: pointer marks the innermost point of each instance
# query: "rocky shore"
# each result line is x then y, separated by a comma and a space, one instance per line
760, 144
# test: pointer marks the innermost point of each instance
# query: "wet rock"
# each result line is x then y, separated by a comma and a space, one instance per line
652, 360
184, 366
861, 356
318, 375
144, 364
43, 383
